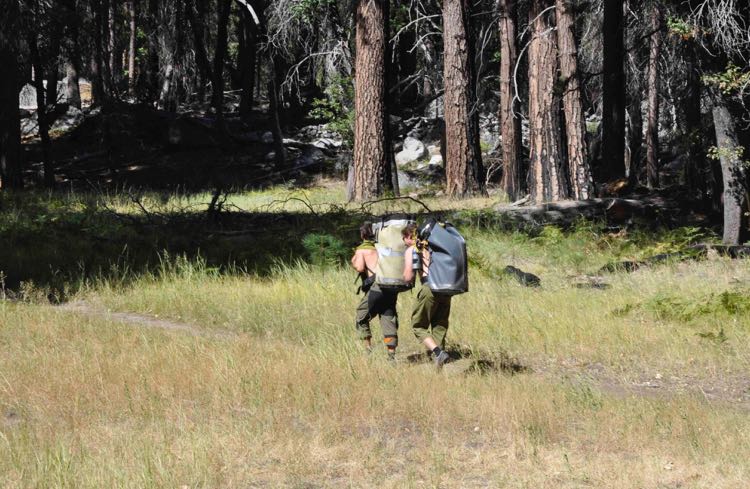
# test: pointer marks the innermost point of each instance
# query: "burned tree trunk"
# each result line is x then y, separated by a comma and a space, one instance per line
72, 57
370, 157
463, 157
546, 182
217, 99
578, 166
510, 123
247, 60
41, 111
10, 123
652, 124
613, 85
131, 48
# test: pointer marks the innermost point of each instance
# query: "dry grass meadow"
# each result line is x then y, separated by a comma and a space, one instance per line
639, 382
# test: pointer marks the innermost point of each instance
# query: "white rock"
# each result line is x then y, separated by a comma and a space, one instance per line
433, 150
436, 160
413, 150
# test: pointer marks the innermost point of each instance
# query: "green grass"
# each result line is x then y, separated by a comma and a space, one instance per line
285, 396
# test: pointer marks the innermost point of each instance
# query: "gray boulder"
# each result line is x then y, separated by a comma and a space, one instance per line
413, 150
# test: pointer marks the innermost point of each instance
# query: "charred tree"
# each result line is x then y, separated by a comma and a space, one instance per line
217, 99
578, 166
10, 120
652, 124
510, 123
546, 177
131, 47
613, 85
41, 110
463, 165
247, 35
72, 55
370, 145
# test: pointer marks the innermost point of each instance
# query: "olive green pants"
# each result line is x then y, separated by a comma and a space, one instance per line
380, 302
430, 316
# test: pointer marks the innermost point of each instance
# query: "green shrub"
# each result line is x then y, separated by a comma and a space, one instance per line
324, 249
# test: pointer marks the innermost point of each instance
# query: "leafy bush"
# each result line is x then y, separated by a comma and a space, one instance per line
324, 249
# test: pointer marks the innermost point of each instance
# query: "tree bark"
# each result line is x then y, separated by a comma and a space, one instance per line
733, 172
72, 57
370, 157
131, 48
41, 111
219, 54
201, 55
546, 169
510, 124
575, 128
113, 72
247, 61
152, 69
613, 85
98, 83
53, 76
278, 136
695, 170
10, 120
463, 157
652, 124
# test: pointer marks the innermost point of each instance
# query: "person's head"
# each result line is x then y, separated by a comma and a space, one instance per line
409, 234
365, 231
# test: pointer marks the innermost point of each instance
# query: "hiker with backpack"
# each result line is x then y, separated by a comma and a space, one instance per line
436, 254
377, 300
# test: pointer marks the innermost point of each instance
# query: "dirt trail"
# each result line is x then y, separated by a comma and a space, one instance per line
142, 320
728, 390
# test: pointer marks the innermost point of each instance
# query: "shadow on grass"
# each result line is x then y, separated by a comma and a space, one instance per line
475, 362
45, 246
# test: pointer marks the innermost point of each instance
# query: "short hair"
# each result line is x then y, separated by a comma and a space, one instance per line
365, 231
410, 231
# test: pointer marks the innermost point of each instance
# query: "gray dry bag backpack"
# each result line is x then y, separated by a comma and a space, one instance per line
390, 246
448, 271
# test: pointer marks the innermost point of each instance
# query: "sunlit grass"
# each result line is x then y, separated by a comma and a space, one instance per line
286, 396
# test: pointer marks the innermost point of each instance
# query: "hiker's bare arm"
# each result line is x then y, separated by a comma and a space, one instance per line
408, 271
358, 261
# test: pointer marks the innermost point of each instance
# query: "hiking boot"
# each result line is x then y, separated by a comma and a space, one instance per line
442, 359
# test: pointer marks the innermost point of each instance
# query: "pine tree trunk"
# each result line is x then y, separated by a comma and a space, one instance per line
370, 157
10, 120
696, 169
114, 73
247, 63
652, 124
463, 158
73, 58
733, 172
613, 86
152, 70
41, 110
217, 99
578, 166
54, 59
98, 84
131, 48
510, 123
273, 97
546, 171
201, 55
